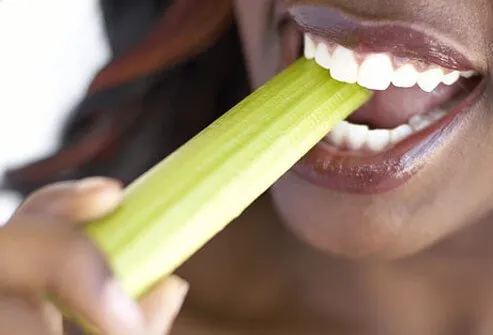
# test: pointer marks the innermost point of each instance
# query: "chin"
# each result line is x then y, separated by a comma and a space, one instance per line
379, 228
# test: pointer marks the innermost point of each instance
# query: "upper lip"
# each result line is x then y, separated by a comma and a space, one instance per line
401, 39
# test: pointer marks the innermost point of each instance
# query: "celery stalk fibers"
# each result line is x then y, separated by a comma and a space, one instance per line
179, 205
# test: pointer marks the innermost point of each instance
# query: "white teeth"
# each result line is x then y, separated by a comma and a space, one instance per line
400, 133
467, 74
344, 65
419, 122
405, 76
310, 47
424, 124
338, 135
437, 114
451, 78
430, 79
323, 57
375, 72
356, 136
378, 139
415, 121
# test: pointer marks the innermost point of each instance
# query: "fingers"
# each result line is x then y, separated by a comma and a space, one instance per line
53, 318
41, 252
76, 202
38, 258
28, 317
161, 306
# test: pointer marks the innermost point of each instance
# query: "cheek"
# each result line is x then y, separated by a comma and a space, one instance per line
260, 38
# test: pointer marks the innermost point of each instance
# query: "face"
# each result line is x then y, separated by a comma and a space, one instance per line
413, 165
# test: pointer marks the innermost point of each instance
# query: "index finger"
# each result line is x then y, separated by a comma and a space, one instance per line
75, 201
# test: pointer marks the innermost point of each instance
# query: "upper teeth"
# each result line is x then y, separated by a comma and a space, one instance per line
377, 71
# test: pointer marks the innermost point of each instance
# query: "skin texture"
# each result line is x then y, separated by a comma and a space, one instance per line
43, 251
399, 222
415, 260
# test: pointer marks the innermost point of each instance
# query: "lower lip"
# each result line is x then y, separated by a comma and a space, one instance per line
325, 167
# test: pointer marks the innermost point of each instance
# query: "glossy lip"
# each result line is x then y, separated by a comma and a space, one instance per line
388, 170
323, 165
362, 35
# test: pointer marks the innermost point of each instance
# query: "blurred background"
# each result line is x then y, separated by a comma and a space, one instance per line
50, 50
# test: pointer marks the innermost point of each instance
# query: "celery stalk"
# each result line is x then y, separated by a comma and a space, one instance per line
180, 204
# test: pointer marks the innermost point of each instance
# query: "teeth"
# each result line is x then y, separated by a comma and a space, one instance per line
344, 65
376, 72
400, 133
356, 136
405, 76
310, 47
468, 74
437, 114
338, 135
415, 121
419, 122
323, 57
378, 139
451, 78
348, 135
430, 79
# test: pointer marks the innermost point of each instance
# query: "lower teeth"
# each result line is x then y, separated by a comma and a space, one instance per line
354, 137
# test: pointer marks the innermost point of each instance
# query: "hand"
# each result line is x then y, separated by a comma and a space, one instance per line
43, 251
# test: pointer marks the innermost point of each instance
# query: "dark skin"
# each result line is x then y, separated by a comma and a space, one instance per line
44, 251
415, 260
306, 260
398, 221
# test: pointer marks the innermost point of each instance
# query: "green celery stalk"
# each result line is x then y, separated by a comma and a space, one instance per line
180, 204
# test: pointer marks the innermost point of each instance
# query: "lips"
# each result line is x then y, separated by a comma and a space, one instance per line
401, 38
423, 88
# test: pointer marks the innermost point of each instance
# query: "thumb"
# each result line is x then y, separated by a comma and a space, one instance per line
162, 304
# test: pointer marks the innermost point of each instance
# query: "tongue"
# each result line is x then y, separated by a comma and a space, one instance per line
395, 106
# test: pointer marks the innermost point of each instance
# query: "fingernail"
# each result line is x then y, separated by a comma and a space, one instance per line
176, 292
125, 315
178, 285
163, 304
91, 183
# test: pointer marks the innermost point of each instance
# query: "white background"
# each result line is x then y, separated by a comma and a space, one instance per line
49, 51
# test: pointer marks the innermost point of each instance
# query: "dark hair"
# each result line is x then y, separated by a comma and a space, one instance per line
123, 130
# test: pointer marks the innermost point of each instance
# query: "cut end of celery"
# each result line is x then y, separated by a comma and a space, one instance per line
179, 205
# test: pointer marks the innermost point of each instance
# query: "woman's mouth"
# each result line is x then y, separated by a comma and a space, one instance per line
422, 87
409, 95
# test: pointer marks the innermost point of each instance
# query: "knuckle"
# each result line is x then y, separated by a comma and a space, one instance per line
48, 189
45, 198
74, 201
